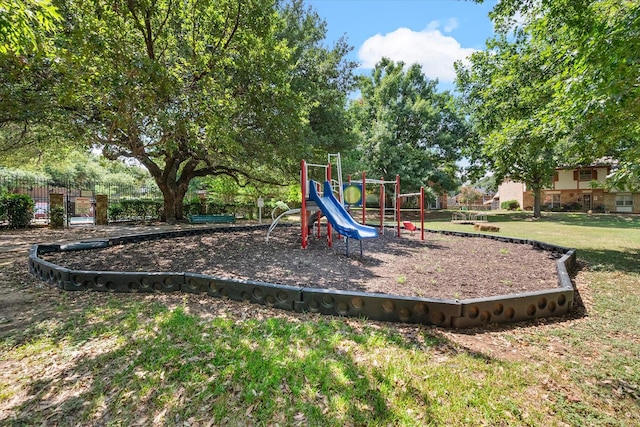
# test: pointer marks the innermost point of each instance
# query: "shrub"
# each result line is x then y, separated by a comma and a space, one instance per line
510, 205
17, 209
56, 217
192, 207
135, 209
115, 212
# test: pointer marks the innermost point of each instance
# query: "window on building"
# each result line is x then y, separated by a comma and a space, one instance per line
586, 175
624, 200
552, 201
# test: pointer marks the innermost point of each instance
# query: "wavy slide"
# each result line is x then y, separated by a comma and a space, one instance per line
338, 216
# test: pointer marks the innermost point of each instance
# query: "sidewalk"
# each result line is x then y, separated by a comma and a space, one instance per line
12, 241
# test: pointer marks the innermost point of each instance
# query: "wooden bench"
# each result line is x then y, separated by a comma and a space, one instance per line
209, 219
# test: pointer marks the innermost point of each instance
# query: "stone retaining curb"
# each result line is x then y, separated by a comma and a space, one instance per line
392, 308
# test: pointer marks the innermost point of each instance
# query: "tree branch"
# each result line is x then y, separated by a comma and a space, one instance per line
216, 48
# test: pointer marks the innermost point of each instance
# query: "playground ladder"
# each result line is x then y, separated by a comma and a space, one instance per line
339, 171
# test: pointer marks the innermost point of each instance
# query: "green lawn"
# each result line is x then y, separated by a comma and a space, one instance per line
109, 359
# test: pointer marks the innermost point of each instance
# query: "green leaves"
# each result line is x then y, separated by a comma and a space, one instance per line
24, 25
590, 52
195, 88
406, 127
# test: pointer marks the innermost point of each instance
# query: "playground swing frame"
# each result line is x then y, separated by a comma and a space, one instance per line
382, 202
398, 200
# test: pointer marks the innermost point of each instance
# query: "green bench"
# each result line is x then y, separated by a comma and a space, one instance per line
208, 219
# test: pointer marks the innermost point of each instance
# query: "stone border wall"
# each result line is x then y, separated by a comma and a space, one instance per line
392, 308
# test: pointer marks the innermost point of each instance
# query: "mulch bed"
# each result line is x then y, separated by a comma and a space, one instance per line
441, 266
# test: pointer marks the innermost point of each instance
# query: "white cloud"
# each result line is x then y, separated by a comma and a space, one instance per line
434, 51
452, 24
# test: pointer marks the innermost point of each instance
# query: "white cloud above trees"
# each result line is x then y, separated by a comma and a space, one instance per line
433, 50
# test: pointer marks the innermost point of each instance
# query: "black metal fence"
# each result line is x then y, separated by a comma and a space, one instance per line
79, 196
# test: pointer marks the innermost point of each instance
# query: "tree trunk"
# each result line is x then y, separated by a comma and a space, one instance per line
173, 194
181, 191
537, 195
169, 214
172, 184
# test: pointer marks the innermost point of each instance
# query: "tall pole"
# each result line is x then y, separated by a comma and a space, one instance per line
303, 208
364, 198
381, 203
318, 213
398, 202
329, 236
421, 213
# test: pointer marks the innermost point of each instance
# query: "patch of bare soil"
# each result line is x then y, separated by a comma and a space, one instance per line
441, 266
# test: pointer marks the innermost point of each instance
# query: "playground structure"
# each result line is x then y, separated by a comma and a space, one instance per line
313, 201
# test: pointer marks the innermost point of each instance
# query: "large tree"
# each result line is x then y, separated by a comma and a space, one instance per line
504, 90
593, 48
190, 89
26, 79
408, 128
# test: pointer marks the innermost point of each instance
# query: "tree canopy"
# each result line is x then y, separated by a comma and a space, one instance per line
241, 88
408, 128
504, 90
589, 52
24, 24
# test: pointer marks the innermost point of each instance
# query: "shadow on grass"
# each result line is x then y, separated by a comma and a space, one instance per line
624, 221
612, 220
627, 261
144, 363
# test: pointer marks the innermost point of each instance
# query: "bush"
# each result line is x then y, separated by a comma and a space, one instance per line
135, 209
115, 212
56, 217
17, 209
193, 207
510, 205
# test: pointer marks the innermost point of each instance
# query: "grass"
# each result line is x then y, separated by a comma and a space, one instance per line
110, 359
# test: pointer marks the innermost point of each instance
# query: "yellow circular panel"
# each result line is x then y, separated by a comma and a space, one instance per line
352, 194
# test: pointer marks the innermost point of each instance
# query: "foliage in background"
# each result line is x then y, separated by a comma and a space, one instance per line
567, 74
510, 205
17, 209
56, 217
407, 128
469, 195
151, 209
504, 89
80, 167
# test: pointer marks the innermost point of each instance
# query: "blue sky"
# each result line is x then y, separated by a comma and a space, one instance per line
433, 33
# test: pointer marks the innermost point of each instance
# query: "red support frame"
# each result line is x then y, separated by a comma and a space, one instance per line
329, 234
303, 207
381, 202
398, 198
364, 198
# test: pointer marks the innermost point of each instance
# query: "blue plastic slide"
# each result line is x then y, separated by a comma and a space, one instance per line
338, 216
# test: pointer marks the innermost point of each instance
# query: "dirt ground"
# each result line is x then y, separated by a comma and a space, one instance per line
441, 266
480, 264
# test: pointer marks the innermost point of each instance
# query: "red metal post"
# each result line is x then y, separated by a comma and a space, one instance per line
303, 207
381, 203
398, 202
421, 213
364, 198
318, 213
329, 235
